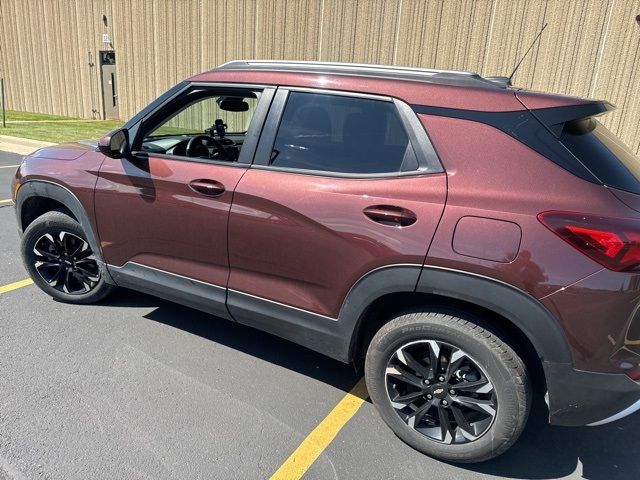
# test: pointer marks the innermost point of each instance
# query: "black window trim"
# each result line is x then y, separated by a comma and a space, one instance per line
426, 155
134, 122
251, 139
527, 127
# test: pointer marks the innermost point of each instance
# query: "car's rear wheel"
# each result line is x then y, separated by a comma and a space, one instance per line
60, 260
447, 386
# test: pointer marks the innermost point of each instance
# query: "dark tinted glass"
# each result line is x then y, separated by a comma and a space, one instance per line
340, 134
603, 153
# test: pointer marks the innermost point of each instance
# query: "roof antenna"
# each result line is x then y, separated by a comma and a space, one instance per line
526, 53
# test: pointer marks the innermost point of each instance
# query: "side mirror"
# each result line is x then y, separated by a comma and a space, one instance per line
115, 144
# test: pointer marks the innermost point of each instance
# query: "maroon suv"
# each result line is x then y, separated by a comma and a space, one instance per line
465, 238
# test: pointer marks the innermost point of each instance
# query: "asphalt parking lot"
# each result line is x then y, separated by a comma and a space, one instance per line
138, 387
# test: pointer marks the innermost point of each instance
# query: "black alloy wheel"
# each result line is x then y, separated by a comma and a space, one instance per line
66, 262
440, 391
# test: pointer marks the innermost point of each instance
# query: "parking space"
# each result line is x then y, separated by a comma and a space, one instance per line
8, 162
138, 387
11, 269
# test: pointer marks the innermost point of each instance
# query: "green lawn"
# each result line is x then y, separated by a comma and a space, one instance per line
50, 128
30, 116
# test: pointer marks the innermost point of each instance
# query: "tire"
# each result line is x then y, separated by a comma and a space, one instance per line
57, 237
498, 383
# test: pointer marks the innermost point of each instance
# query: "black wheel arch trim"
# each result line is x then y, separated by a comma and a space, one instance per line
517, 306
61, 194
520, 308
370, 287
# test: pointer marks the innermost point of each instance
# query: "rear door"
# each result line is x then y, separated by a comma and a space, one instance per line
341, 185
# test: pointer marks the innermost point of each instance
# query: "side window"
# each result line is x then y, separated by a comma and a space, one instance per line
204, 123
201, 115
342, 134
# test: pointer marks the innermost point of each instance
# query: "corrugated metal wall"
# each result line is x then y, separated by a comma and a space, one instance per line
591, 47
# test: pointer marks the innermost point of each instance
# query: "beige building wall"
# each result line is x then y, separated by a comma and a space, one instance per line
590, 48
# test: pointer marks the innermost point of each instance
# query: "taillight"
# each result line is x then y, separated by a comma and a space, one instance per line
612, 242
634, 374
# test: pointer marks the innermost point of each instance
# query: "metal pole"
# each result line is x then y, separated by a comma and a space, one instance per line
4, 118
91, 85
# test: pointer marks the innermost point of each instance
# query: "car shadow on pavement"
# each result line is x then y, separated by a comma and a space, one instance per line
256, 343
608, 452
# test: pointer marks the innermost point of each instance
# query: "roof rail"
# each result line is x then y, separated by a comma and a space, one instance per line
311, 65
406, 73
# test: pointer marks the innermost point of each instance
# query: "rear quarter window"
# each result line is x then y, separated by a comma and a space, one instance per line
604, 154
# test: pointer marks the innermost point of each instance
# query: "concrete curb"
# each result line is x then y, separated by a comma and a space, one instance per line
22, 146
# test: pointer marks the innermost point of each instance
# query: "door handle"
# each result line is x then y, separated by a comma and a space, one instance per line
207, 187
391, 215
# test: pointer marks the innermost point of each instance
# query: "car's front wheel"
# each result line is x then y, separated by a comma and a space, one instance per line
447, 386
60, 261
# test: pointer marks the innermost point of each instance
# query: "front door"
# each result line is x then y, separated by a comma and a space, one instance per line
341, 185
162, 214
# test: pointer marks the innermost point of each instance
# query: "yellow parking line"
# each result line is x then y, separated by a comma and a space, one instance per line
9, 166
15, 285
319, 439
8, 200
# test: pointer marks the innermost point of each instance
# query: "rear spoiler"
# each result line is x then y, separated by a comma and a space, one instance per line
556, 118
562, 110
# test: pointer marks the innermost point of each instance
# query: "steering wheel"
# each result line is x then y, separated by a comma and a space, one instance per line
197, 148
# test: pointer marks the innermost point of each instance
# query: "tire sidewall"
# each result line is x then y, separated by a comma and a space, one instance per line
404, 329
